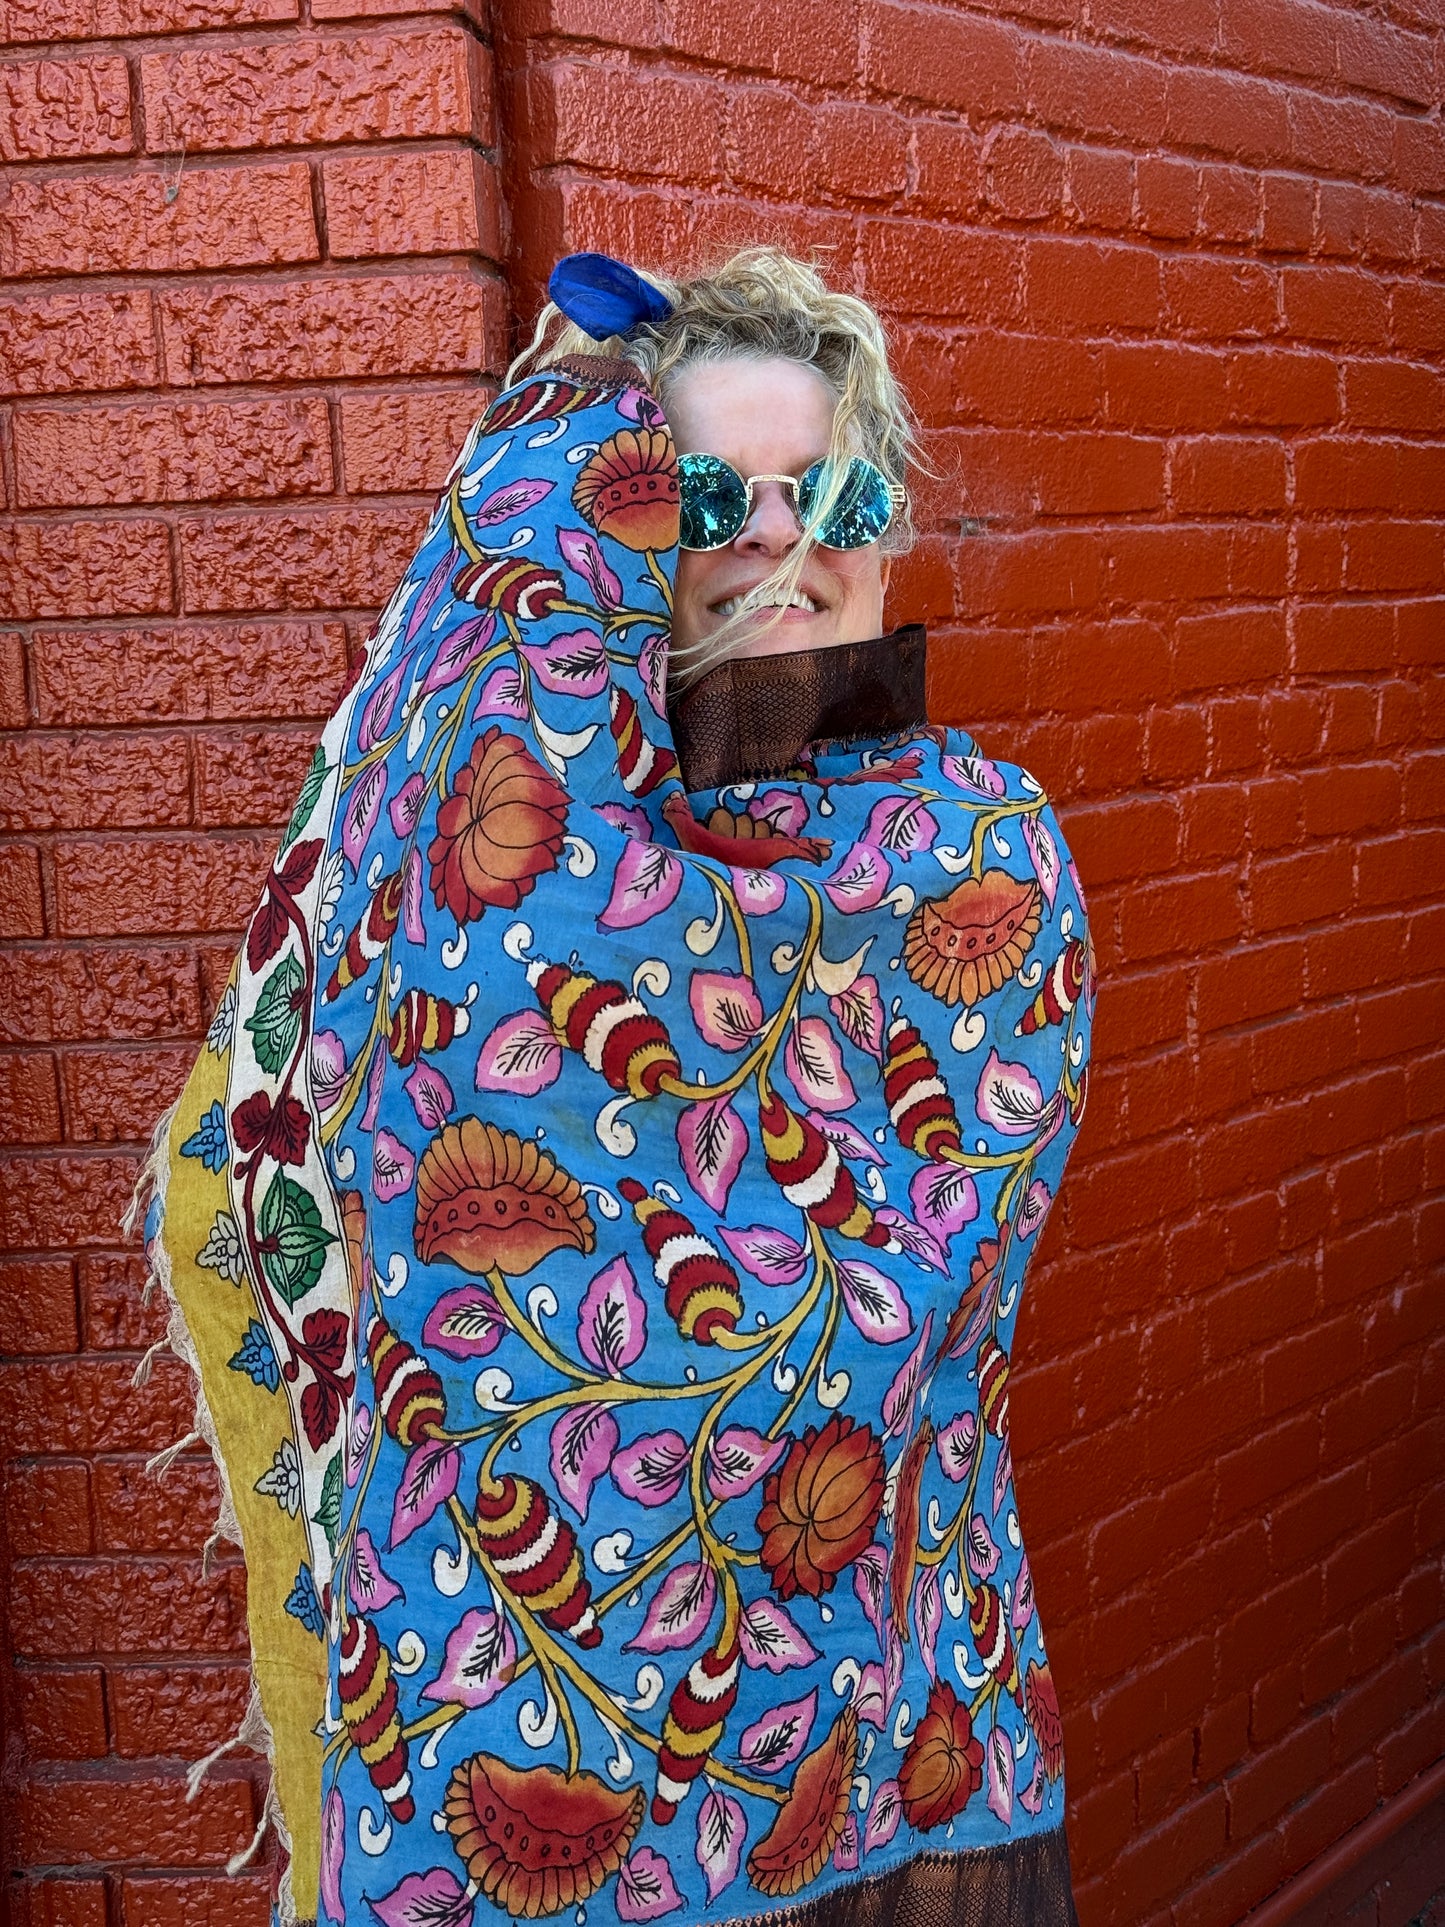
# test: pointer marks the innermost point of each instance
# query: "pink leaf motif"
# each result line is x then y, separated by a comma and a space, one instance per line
999, 1774
647, 879
431, 590
645, 1887
737, 1458
612, 1321
519, 1054
328, 1068
775, 1741
874, 1302
580, 552
333, 1854
433, 1899
712, 1141
1003, 1473
902, 824
860, 881
405, 807
870, 1570
1031, 1797
375, 1078
726, 1008
859, 1010
916, 1239
679, 1610
480, 1655
376, 711
413, 917
428, 1479
722, 1828
759, 892
512, 498
502, 694
943, 1198
468, 642
975, 773
813, 1059
851, 1143
360, 811
870, 1695
465, 1323
652, 670
570, 665
884, 1813
980, 1549
1022, 1609
956, 1444
1009, 1097
928, 1618
651, 1470
1044, 854
430, 1094
628, 818
770, 1639
784, 811
845, 1854
771, 1256
358, 1437
371, 1589
1034, 1209
898, 1399
582, 1445
392, 1166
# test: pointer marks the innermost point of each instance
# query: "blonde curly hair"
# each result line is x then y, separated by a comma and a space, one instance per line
763, 302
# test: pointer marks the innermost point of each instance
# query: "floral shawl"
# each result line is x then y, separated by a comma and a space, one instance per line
597, 1221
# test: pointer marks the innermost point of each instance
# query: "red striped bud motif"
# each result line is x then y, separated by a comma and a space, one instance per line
814, 1177
696, 1716
641, 764
371, 1716
614, 1031
542, 400
423, 1022
370, 937
533, 1553
1060, 991
409, 1395
989, 1626
993, 1385
512, 584
699, 1286
917, 1097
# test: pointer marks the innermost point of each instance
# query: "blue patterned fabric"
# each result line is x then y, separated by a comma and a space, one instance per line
679, 1185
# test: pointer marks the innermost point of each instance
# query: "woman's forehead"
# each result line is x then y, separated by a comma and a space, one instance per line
761, 413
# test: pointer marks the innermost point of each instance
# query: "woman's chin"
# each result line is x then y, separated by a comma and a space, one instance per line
767, 634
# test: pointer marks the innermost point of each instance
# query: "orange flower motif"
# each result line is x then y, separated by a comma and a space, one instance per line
628, 489
1041, 1703
499, 829
943, 1766
534, 1839
820, 1507
966, 945
486, 1197
813, 1816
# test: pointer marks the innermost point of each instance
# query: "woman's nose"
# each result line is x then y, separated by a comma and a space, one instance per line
772, 525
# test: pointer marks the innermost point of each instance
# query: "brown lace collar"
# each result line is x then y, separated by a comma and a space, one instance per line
751, 717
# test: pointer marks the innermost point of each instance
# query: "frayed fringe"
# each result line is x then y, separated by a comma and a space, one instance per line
253, 1732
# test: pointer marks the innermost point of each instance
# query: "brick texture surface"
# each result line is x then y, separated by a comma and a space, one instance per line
1165, 283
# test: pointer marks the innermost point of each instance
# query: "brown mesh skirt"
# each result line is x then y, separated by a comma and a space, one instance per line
1023, 1884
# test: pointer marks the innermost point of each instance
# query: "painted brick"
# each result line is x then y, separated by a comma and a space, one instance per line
1082, 287
53, 782
443, 201
22, 905
114, 1314
944, 59
293, 92
29, 1098
111, 887
115, 1096
55, 994
185, 452
346, 558
423, 323
37, 1306
190, 673
200, 1901
62, 1713
54, 343
64, 109
54, 1902
391, 442
222, 217
84, 568
35, 20
147, 1819
251, 776
176, 1708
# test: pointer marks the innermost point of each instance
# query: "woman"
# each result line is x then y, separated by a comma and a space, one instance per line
600, 1213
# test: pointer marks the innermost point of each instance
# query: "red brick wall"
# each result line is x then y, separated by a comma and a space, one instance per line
1168, 281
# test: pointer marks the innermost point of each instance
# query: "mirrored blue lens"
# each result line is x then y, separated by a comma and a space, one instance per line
861, 511
714, 501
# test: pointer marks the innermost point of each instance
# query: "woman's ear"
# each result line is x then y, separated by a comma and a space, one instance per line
885, 570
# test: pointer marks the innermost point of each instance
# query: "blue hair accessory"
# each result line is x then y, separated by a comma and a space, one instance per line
605, 297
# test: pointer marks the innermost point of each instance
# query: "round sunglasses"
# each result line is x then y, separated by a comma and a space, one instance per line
717, 501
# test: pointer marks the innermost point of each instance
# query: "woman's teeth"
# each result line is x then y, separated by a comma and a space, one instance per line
751, 601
